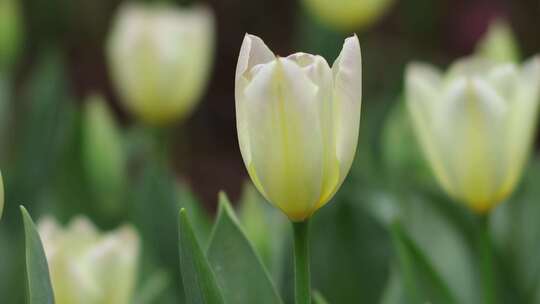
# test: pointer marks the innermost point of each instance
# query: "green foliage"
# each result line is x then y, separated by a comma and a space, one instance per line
199, 281
318, 298
350, 252
256, 216
39, 283
103, 155
239, 270
422, 283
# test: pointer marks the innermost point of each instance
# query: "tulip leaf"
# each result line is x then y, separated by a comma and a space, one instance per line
46, 128
256, 215
318, 298
394, 292
516, 235
39, 283
200, 284
422, 283
152, 288
236, 263
350, 253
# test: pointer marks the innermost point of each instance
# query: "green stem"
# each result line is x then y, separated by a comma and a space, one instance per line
486, 255
302, 279
160, 141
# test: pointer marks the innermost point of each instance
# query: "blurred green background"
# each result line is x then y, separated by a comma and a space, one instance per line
390, 231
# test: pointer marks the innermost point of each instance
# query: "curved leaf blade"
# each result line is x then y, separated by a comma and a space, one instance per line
238, 268
422, 283
199, 282
39, 283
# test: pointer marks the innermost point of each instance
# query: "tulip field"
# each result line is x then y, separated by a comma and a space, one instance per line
269, 152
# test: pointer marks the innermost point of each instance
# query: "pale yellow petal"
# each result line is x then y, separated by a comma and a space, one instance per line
285, 136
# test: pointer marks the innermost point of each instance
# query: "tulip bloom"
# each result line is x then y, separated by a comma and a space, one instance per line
298, 122
160, 58
87, 267
475, 125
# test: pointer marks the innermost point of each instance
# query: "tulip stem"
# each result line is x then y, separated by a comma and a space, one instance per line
486, 255
302, 291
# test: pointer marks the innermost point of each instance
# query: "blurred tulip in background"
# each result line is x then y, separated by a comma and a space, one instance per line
87, 266
475, 124
298, 122
347, 15
10, 32
160, 58
103, 156
499, 43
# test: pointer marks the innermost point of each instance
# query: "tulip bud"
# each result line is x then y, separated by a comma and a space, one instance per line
160, 58
103, 157
298, 122
347, 15
499, 43
88, 267
475, 125
10, 32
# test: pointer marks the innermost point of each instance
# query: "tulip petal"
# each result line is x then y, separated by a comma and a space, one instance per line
503, 79
253, 52
318, 70
285, 140
423, 87
471, 130
347, 70
521, 121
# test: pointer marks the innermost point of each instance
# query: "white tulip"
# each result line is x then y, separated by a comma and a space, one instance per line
87, 267
298, 122
160, 57
475, 125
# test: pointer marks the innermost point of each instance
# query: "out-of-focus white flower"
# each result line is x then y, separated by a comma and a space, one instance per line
475, 125
499, 43
298, 122
160, 57
347, 15
88, 267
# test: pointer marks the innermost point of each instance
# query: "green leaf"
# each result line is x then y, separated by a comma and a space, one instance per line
152, 288
401, 154
43, 133
238, 268
103, 157
350, 253
200, 284
198, 216
516, 234
422, 283
318, 298
256, 215
394, 293
443, 242
39, 283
